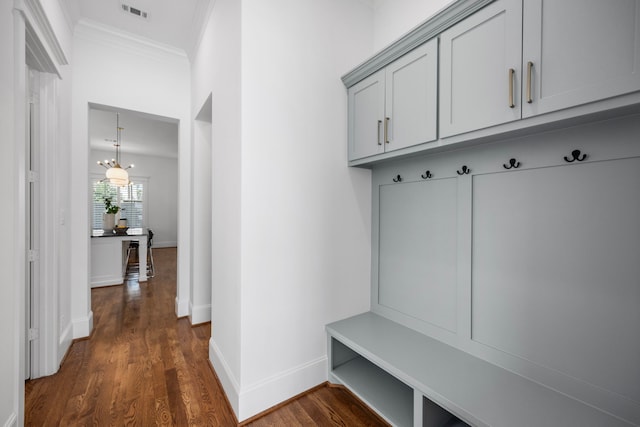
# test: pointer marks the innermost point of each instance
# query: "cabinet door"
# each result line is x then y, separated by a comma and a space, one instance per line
366, 115
580, 50
476, 56
411, 101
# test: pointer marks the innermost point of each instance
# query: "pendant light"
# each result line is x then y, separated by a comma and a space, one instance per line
115, 173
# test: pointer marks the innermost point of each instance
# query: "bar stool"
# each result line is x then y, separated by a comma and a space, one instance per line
151, 271
133, 245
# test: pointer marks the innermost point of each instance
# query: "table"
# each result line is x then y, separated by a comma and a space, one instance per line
109, 256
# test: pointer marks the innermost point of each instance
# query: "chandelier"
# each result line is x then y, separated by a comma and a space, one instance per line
115, 173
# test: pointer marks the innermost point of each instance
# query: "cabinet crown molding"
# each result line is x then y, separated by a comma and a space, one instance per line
429, 29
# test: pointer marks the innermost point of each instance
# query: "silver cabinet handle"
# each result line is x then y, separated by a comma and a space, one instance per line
379, 123
529, 67
386, 130
511, 75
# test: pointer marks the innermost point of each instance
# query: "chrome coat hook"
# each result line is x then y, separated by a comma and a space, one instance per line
465, 170
575, 156
397, 179
513, 164
426, 175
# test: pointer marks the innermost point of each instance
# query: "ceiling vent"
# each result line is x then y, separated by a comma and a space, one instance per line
134, 11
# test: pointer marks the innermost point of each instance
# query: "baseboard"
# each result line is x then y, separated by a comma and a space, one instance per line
64, 343
271, 391
82, 327
227, 379
199, 314
281, 405
168, 244
12, 421
263, 395
106, 281
182, 308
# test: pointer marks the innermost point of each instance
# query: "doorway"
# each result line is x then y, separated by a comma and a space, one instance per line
43, 343
201, 227
32, 221
150, 201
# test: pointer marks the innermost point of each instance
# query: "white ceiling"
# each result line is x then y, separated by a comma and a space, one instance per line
172, 22
142, 134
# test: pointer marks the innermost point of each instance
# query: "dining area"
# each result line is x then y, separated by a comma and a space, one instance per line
112, 250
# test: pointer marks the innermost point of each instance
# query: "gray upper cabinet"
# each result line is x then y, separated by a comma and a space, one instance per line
411, 99
578, 51
480, 69
397, 106
489, 68
508, 62
366, 115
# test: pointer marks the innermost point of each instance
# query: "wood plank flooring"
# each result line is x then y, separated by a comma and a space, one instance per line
143, 367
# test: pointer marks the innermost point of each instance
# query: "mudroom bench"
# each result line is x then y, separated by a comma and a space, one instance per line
411, 379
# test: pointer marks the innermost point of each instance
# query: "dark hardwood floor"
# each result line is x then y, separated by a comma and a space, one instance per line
142, 367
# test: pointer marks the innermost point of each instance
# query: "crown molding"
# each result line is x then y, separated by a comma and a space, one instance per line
93, 31
431, 28
198, 25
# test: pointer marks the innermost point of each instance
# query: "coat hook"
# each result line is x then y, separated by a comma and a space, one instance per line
426, 175
576, 156
513, 164
465, 170
397, 179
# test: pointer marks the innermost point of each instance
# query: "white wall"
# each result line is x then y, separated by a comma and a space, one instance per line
305, 214
394, 18
216, 72
122, 71
298, 257
162, 191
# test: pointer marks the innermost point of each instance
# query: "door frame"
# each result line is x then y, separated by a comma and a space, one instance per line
35, 42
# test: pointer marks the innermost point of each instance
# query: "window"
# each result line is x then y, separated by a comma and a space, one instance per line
131, 200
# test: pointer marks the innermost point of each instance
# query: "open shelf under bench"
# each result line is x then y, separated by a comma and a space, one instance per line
399, 372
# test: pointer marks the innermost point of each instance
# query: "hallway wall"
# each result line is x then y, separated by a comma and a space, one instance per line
216, 72
291, 248
124, 71
306, 217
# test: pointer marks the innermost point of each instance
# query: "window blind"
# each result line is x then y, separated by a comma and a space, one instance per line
131, 200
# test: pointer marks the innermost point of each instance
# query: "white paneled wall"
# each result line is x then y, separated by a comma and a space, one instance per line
543, 277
